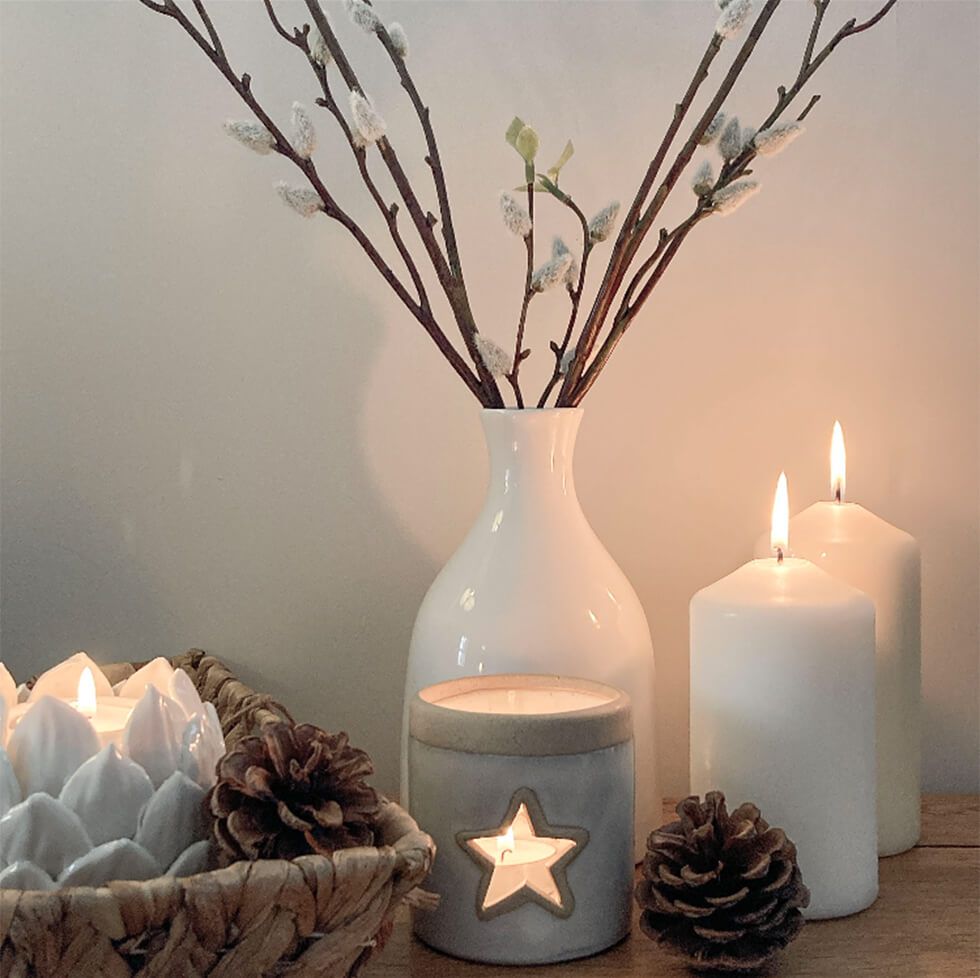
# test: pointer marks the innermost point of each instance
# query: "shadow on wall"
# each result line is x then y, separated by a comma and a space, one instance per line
242, 519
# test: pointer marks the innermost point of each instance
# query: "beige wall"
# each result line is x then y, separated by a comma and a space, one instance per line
220, 430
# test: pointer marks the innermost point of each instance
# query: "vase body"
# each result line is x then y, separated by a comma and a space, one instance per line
533, 590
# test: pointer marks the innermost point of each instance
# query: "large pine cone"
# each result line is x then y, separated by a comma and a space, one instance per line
722, 891
290, 791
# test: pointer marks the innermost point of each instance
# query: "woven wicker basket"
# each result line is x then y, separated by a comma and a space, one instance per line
312, 917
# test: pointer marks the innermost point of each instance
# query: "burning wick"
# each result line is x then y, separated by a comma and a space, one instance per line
779, 534
505, 843
838, 463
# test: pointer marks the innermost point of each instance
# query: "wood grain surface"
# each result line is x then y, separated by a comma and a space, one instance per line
925, 923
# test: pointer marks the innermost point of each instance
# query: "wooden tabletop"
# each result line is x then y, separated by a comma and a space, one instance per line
925, 923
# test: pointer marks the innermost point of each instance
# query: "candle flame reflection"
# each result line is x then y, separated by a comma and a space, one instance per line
779, 533
838, 464
86, 702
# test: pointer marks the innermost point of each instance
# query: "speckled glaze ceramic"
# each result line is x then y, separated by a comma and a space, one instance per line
571, 773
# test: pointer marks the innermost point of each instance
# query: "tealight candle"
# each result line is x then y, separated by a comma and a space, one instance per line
783, 712
851, 543
108, 715
526, 784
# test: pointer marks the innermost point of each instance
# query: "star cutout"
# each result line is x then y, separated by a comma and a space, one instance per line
524, 860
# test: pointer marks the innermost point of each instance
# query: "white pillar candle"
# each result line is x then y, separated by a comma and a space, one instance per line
782, 713
858, 547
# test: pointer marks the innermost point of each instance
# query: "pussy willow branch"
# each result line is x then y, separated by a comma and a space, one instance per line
572, 393
424, 222
731, 171
282, 146
299, 39
625, 248
434, 161
785, 96
388, 211
575, 295
520, 354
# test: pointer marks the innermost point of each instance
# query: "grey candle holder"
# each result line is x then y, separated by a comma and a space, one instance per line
532, 814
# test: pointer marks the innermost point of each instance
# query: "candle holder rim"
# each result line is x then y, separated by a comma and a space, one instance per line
521, 734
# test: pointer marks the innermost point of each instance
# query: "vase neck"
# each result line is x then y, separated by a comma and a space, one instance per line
531, 454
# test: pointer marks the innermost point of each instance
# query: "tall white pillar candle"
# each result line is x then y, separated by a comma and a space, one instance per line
782, 713
858, 547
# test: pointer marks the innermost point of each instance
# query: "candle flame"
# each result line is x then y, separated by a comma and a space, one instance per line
779, 534
86, 702
838, 464
505, 842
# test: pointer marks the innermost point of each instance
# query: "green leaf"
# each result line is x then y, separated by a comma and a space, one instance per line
566, 155
513, 130
526, 144
551, 187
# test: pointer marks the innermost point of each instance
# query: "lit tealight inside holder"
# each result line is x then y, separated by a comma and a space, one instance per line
526, 785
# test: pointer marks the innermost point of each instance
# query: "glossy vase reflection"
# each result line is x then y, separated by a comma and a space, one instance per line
532, 589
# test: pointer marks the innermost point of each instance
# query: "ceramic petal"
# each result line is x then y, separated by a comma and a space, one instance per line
202, 746
8, 688
44, 832
151, 739
61, 681
10, 793
121, 859
107, 793
181, 689
24, 875
196, 858
24, 693
49, 745
156, 673
173, 819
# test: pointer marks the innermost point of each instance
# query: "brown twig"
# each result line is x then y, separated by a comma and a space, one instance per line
277, 24
332, 209
667, 247
575, 295
433, 159
639, 220
520, 354
626, 246
731, 171
453, 288
389, 212
637, 234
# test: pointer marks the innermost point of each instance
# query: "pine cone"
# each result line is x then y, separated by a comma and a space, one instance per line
292, 790
722, 891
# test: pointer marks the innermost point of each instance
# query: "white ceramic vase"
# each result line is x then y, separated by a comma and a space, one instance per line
533, 590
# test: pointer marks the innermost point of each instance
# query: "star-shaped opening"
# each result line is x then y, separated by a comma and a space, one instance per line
524, 860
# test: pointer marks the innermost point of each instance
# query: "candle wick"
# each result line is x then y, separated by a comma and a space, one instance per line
838, 496
779, 555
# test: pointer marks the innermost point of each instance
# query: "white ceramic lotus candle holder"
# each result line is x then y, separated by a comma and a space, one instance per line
90, 794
